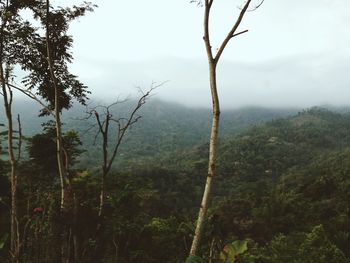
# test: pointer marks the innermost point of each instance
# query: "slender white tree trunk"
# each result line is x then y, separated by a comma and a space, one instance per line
213, 61
212, 158
7, 96
59, 147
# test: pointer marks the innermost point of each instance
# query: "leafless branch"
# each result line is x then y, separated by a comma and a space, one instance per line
118, 101
198, 2
237, 34
256, 7
31, 95
20, 137
130, 121
232, 31
206, 36
96, 136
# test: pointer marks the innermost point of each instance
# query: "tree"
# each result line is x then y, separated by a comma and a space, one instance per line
49, 74
45, 57
57, 44
12, 30
104, 122
213, 60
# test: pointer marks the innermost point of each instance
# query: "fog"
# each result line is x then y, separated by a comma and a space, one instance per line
301, 81
296, 53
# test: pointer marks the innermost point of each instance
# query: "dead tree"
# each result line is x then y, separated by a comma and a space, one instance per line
109, 152
213, 60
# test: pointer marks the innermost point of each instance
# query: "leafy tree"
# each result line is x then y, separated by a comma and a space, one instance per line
301, 247
12, 30
45, 56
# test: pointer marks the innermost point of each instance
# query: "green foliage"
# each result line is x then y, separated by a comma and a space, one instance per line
232, 250
317, 246
35, 62
161, 134
194, 259
283, 185
300, 248
42, 148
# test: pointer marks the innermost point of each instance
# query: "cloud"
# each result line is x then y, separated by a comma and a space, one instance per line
303, 80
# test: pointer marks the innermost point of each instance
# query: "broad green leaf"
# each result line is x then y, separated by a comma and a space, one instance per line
241, 246
230, 251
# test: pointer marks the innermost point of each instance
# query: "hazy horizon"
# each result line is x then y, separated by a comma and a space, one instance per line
294, 55
94, 101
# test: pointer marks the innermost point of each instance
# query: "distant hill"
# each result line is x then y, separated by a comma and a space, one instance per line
271, 149
282, 178
164, 127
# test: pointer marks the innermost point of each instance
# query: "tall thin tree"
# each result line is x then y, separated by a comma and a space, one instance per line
8, 28
60, 163
110, 147
45, 59
8, 98
213, 60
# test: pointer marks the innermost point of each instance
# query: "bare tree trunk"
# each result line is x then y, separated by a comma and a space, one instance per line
13, 162
66, 192
212, 158
104, 133
7, 96
104, 129
59, 147
102, 196
14, 237
212, 62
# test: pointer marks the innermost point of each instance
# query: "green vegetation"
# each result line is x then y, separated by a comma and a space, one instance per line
281, 195
281, 192
164, 129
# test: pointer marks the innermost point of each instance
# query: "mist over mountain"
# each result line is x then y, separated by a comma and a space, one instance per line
276, 166
154, 111
164, 127
292, 81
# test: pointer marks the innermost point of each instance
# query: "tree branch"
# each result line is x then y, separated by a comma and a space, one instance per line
206, 37
31, 95
130, 121
20, 137
256, 7
232, 31
237, 34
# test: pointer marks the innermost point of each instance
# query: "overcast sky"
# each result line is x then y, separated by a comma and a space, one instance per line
296, 53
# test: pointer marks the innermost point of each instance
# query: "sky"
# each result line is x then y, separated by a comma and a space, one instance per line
296, 53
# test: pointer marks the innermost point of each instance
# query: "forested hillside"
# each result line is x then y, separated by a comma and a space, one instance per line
163, 128
90, 176
282, 187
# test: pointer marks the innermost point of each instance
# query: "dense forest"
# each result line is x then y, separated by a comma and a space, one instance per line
122, 180
164, 127
281, 190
